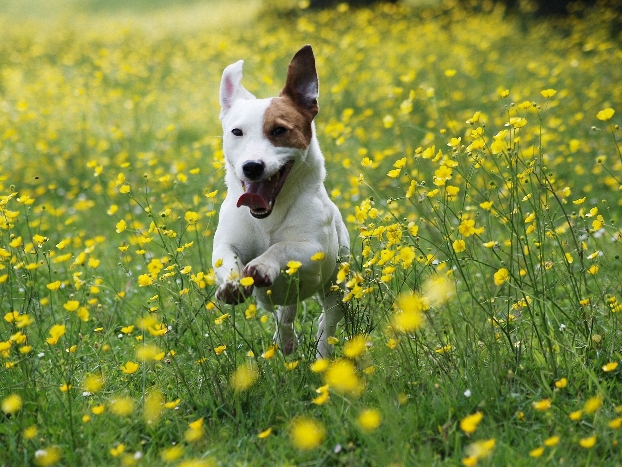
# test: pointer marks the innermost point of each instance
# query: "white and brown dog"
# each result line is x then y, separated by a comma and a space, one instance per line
277, 209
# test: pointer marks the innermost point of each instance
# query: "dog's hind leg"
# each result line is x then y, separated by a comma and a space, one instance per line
285, 336
327, 326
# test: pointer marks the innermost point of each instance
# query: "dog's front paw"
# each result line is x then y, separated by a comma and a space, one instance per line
233, 293
263, 274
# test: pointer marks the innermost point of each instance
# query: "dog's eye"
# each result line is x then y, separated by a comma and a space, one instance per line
279, 131
237, 132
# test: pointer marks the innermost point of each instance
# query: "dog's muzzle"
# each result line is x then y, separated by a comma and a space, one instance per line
260, 195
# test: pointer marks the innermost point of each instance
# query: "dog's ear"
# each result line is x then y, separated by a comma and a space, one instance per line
302, 83
231, 88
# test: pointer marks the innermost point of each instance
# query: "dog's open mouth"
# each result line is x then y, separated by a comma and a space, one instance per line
260, 196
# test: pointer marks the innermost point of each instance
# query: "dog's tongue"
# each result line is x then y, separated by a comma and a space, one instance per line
256, 195
253, 201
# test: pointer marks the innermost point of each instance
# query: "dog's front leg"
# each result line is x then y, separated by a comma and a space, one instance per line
266, 268
228, 268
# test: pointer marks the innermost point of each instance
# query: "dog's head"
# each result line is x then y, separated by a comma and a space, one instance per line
264, 138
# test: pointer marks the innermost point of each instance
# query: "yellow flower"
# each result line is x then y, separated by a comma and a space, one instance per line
306, 434
172, 404
247, 281
442, 174
486, 205
293, 267
48, 456
475, 118
467, 228
501, 276
195, 431
576, 415
122, 406
605, 114
323, 395
98, 409
409, 312
191, 217
290, 365
392, 343
93, 383
318, 256
469, 423
592, 404
587, 443
55, 333
615, 424
269, 353
221, 318
552, 441
117, 450
54, 285
453, 142
30, 432
158, 329
561, 383
172, 454
341, 376
355, 346
220, 349
459, 246
71, 305
145, 280
369, 420
320, 365
130, 367
537, 452
11, 404
544, 404
517, 122
481, 449
437, 290
121, 226
244, 377
610, 366
153, 406
265, 433
548, 93
251, 311
147, 352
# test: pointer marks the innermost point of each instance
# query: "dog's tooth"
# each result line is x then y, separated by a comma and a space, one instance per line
270, 205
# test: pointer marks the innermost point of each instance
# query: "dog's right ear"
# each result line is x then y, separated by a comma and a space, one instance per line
231, 88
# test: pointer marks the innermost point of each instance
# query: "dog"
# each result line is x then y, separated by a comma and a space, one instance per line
277, 209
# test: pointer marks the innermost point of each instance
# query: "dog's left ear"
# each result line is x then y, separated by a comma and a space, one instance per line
302, 84
231, 87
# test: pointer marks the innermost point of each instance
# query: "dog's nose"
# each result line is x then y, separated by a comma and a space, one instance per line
253, 169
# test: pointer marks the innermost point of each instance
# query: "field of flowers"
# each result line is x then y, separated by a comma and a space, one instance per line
477, 162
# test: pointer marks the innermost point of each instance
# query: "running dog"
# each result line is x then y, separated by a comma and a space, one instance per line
277, 210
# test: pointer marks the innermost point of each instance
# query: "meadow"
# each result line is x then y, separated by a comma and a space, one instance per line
476, 159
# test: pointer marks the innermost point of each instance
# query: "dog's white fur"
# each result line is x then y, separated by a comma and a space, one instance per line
303, 220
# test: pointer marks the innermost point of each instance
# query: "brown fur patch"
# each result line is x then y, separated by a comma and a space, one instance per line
283, 112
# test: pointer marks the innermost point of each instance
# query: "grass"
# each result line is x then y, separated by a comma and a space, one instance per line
478, 167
